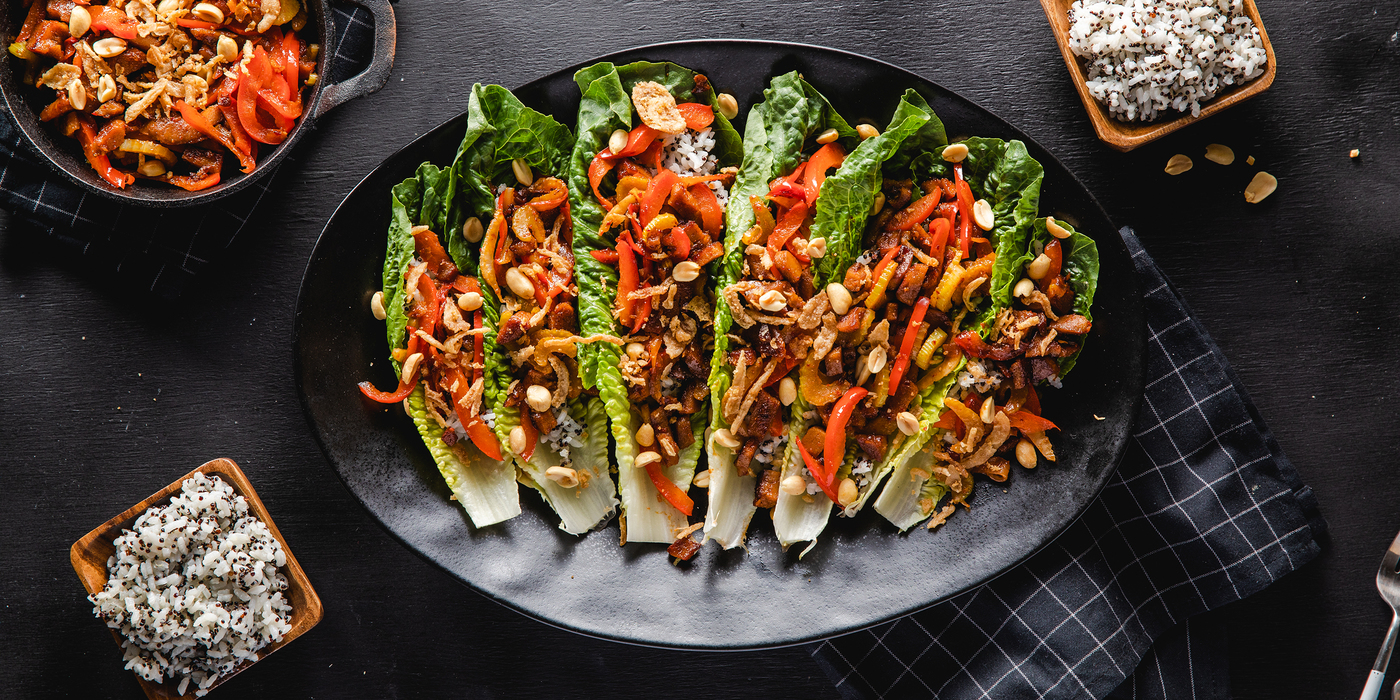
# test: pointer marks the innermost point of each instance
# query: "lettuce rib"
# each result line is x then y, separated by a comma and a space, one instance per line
485, 488
899, 500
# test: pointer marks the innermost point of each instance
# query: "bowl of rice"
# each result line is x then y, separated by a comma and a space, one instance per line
195, 583
1145, 68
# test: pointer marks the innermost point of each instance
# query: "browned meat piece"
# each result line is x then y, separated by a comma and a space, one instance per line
786, 263
1018, 373
906, 260
665, 442
733, 356
949, 189
766, 415
695, 361
904, 396
60, 9
912, 286
850, 323
883, 424
745, 458
697, 235
57, 108
521, 249
638, 393
514, 328
806, 286
449, 437
128, 61
832, 365
814, 440
171, 131
50, 39
873, 446
930, 284
1061, 348
693, 397
898, 194
684, 203
208, 162
1042, 369
685, 291
707, 254
765, 493
997, 468
1061, 295
109, 109
685, 433
545, 422
683, 549
702, 85
857, 276
770, 341
563, 318
110, 137
1072, 324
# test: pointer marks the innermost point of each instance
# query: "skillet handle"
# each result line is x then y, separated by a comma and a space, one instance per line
376, 74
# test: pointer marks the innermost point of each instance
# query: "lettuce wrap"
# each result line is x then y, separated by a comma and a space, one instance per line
561, 451
780, 133
653, 494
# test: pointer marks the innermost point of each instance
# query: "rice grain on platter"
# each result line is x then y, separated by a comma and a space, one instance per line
194, 588
1148, 56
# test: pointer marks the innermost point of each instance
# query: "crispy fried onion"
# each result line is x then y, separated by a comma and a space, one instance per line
968, 416
423, 335
1001, 429
561, 391
736, 307
436, 406
452, 318
957, 479
701, 309
472, 399
648, 292
1044, 345
1042, 443
752, 395
737, 386
1038, 297
618, 214
879, 335
412, 280
941, 516
970, 291
811, 314
567, 345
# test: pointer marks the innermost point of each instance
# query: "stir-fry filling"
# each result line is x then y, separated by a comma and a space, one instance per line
445, 348
665, 215
778, 312
145, 86
994, 414
527, 259
884, 340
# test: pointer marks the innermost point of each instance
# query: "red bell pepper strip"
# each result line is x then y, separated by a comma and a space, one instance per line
638, 140
483, 438
964, 211
783, 371
597, 170
1032, 403
787, 227
607, 257
711, 214
658, 190
680, 242
829, 156
697, 116
110, 19
532, 434
1055, 252
906, 347
196, 120
87, 135
430, 250
669, 490
626, 281
643, 313
291, 67
37, 13
651, 157
918, 212
478, 352
825, 479
836, 427
885, 262
404, 390
1028, 422
789, 185
938, 231
250, 82
947, 421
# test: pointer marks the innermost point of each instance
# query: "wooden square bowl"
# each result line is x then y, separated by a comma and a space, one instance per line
1125, 136
90, 554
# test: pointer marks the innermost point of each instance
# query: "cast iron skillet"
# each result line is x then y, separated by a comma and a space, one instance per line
25, 101
862, 572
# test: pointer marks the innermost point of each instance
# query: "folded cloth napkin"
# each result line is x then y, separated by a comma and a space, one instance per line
157, 249
1204, 509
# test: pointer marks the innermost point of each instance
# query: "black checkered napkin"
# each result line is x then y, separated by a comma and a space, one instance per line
1204, 509
156, 249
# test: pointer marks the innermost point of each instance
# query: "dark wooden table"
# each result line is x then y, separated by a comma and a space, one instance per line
111, 394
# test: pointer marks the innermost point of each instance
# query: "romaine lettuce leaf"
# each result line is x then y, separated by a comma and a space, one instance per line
778, 135
899, 500
799, 518
585, 506
604, 107
485, 488
849, 194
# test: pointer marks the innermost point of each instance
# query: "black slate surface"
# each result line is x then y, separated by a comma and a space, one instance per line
111, 393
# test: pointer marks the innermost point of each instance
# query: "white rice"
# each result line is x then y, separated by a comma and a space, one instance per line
194, 587
769, 448
1147, 56
688, 154
976, 376
566, 435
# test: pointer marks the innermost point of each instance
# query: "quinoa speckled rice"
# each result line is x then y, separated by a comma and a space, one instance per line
193, 587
